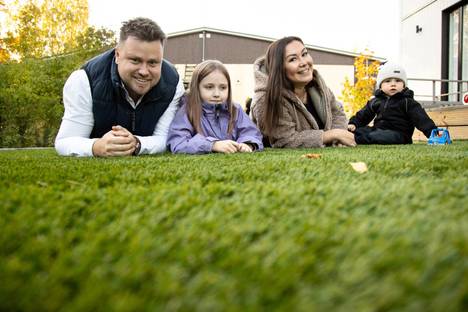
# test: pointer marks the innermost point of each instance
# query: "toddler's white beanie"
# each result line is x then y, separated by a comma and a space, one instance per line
390, 70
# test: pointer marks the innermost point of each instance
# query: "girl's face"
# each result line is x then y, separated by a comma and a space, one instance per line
298, 64
214, 88
391, 86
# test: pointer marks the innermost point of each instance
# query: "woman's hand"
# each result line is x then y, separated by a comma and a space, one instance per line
225, 146
338, 136
245, 148
351, 127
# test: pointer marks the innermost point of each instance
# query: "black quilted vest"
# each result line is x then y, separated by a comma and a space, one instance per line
110, 106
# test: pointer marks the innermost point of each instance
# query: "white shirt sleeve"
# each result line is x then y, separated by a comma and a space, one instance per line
157, 142
78, 121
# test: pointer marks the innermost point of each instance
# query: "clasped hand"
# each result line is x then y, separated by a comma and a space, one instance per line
229, 146
117, 142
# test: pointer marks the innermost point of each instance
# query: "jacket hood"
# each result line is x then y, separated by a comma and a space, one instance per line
260, 74
317, 89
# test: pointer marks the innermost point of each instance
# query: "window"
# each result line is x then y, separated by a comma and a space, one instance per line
465, 44
455, 54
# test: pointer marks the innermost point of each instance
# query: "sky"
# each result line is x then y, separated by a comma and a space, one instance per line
337, 24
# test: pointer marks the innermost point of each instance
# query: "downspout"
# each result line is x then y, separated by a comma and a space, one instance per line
203, 46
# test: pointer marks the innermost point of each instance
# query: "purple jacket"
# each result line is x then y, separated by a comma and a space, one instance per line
214, 122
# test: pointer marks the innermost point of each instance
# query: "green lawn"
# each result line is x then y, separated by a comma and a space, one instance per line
244, 232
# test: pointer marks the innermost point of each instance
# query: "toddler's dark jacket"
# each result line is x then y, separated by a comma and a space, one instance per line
399, 112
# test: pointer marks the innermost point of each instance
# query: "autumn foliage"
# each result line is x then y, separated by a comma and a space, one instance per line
356, 95
41, 43
38, 28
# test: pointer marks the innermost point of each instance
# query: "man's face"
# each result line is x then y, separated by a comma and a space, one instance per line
139, 65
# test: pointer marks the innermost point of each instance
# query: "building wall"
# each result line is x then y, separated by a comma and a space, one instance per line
239, 53
230, 49
243, 82
188, 49
184, 49
234, 50
421, 53
334, 76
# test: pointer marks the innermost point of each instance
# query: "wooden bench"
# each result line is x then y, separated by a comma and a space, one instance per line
454, 118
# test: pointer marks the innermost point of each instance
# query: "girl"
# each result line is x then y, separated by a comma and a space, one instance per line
208, 121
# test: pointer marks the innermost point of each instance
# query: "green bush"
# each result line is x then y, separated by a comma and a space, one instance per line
31, 104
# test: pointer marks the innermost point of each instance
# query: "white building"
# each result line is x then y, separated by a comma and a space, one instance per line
434, 46
238, 52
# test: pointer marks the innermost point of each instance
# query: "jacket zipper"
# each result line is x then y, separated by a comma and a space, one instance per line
217, 112
384, 108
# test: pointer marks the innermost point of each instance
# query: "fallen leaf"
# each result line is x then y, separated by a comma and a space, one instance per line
42, 184
311, 156
73, 182
359, 166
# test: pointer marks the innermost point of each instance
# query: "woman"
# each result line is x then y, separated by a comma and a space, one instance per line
292, 105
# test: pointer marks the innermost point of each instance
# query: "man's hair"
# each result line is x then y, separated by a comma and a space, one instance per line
143, 29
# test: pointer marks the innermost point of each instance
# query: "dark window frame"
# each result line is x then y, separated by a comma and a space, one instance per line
446, 42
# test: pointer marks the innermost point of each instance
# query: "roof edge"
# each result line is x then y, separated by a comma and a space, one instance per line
269, 39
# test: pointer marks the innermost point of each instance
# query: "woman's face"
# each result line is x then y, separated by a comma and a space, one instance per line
298, 64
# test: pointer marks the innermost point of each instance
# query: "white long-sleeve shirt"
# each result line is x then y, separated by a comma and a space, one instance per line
78, 120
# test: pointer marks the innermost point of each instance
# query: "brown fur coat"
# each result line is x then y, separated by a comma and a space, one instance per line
297, 127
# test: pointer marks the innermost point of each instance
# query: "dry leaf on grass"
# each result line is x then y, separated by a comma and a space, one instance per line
359, 166
311, 156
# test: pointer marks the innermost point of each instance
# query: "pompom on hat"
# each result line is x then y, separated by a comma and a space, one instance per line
390, 70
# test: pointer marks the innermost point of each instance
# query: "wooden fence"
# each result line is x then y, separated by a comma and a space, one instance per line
453, 118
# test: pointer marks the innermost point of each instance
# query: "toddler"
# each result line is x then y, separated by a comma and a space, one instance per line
396, 112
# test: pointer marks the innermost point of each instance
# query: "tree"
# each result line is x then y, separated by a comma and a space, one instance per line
4, 54
39, 28
93, 39
356, 95
50, 42
31, 98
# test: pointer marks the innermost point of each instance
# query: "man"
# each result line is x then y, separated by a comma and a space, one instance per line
121, 102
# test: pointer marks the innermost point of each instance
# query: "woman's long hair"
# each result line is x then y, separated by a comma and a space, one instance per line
194, 101
278, 82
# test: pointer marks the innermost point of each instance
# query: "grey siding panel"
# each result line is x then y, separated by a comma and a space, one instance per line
328, 58
230, 49
235, 50
184, 49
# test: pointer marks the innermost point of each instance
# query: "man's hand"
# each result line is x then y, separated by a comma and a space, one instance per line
117, 142
225, 146
351, 127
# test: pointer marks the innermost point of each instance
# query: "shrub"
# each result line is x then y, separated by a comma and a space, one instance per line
356, 96
31, 98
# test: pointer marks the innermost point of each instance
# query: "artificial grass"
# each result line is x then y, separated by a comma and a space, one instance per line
243, 232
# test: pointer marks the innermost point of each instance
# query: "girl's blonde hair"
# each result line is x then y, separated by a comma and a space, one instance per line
194, 100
